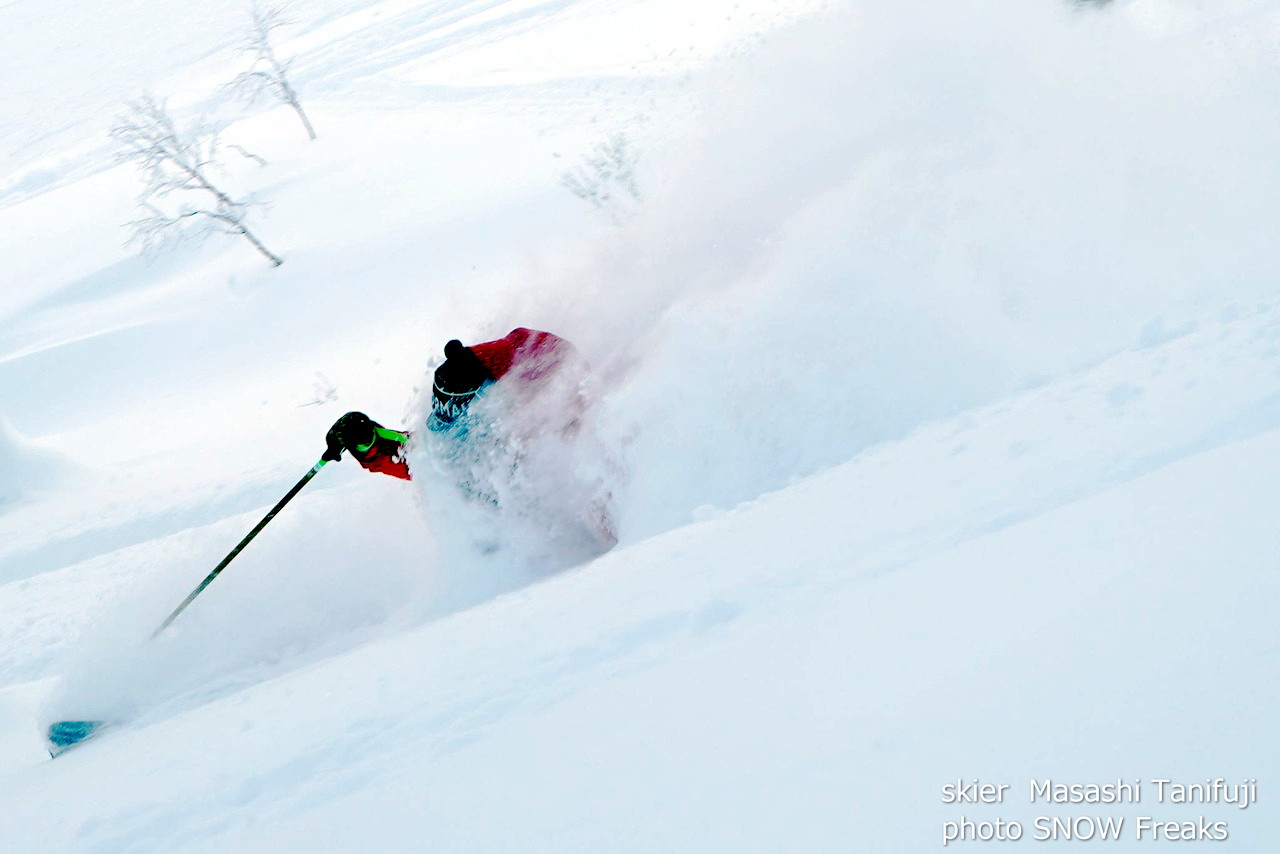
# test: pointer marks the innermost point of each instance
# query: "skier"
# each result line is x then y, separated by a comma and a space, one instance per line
525, 359
538, 377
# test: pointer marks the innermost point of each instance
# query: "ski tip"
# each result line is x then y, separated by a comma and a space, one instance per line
65, 735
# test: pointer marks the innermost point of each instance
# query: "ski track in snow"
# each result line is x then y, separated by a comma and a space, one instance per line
837, 588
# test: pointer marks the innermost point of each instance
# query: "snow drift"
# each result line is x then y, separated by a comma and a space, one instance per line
26, 468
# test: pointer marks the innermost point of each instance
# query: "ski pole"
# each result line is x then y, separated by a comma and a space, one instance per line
208, 579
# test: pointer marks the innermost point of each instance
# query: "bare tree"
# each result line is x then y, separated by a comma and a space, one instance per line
323, 391
606, 178
267, 74
177, 168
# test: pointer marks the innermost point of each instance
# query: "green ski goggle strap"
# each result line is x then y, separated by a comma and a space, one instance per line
383, 432
399, 438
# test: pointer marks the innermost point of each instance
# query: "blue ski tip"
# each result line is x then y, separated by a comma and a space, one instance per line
65, 735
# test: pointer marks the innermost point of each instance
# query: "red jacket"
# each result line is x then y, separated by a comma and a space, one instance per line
530, 353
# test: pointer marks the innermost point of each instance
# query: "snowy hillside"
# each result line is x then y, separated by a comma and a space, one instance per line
935, 399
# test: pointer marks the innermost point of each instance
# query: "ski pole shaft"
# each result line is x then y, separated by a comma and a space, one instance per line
208, 579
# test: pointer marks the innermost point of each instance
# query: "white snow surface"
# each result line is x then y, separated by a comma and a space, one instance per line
936, 392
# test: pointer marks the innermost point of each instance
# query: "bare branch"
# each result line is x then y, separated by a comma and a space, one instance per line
323, 389
267, 74
606, 178
178, 163
239, 149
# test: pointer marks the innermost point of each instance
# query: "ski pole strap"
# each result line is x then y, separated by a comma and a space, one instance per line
208, 579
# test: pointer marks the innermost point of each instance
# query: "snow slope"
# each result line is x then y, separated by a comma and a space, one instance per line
777, 678
936, 380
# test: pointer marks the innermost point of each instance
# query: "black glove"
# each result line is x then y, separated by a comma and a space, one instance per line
333, 452
352, 429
